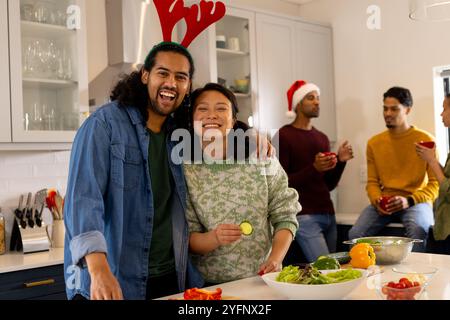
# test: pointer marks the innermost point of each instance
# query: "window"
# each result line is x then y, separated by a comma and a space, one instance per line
441, 87
446, 92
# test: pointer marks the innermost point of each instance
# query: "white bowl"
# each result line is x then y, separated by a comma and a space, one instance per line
332, 291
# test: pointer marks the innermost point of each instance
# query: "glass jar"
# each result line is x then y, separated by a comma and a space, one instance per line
2, 233
44, 12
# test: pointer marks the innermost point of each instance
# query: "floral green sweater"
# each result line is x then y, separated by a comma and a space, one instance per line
231, 194
441, 229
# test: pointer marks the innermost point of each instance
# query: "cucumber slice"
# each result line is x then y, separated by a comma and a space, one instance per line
246, 228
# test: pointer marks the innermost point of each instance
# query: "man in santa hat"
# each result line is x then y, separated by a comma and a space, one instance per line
312, 169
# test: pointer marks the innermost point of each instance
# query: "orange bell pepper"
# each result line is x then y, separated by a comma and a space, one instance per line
202, 294
362, 256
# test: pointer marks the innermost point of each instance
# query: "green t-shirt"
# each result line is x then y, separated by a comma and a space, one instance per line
161, 258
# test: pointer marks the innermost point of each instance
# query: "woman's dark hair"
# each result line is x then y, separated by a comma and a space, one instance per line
188, 122
130, 91
219, 88
447, 96
401, 94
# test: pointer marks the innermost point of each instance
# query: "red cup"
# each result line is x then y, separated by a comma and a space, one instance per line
384, 201
427, 144
327, 154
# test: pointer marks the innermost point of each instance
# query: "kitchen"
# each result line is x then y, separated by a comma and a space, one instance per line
34, 159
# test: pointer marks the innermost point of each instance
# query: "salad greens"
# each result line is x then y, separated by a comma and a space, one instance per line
311, 275
369, 241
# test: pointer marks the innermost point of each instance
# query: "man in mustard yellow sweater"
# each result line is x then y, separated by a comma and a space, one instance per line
395, 170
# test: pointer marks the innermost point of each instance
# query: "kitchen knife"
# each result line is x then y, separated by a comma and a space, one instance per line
25, 214
31, 213
38, 218
18, 212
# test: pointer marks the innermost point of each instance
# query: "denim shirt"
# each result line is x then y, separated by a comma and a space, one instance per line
109, 204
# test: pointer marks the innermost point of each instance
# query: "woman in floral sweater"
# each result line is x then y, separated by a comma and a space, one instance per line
441, 229
241, 212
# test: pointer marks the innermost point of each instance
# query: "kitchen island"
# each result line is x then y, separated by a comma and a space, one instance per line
255, 288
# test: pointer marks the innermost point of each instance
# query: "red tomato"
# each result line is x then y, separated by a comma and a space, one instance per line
404, 289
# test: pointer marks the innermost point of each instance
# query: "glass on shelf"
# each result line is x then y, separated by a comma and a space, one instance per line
71, 120
42, 117
45, 59
27, 12
36, 118
43, 11
61, 18
48, 118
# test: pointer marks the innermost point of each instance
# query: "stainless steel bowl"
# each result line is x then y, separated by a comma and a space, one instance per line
388, 250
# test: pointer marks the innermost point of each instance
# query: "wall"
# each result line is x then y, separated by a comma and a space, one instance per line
96, 37
367, 63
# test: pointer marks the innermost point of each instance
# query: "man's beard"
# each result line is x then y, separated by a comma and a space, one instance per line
312, 114
390, 126
156, 109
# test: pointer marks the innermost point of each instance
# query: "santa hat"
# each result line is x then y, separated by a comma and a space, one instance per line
296, 93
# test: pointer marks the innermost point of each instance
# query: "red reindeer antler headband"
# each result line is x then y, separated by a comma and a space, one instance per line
169, 18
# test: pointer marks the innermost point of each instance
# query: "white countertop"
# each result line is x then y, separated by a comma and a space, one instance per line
255, 288
16, 261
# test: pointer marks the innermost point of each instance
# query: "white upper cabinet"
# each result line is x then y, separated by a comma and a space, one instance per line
276, 60
48, 69
5, 102
290, 50
314, 63
226, 53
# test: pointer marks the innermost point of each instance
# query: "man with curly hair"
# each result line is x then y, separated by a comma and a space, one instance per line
120, 241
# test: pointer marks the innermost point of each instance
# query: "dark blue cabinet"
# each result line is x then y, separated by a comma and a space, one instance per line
45, 283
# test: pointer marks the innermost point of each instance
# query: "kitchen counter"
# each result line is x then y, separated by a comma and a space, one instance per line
17, 261
255, 288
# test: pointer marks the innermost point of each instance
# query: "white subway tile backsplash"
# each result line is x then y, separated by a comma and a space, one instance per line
16, 171
27, 157
4, 186
9, 200
62, 186
32, 185
50, 170
62, 157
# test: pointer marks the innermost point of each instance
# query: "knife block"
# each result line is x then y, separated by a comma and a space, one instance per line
29, 239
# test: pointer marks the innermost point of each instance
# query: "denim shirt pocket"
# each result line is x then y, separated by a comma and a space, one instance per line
126, 165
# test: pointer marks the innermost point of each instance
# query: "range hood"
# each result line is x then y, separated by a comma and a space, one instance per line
133, 28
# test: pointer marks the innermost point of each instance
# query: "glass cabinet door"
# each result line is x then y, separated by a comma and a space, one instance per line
235, 59
48, 69
5, 116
